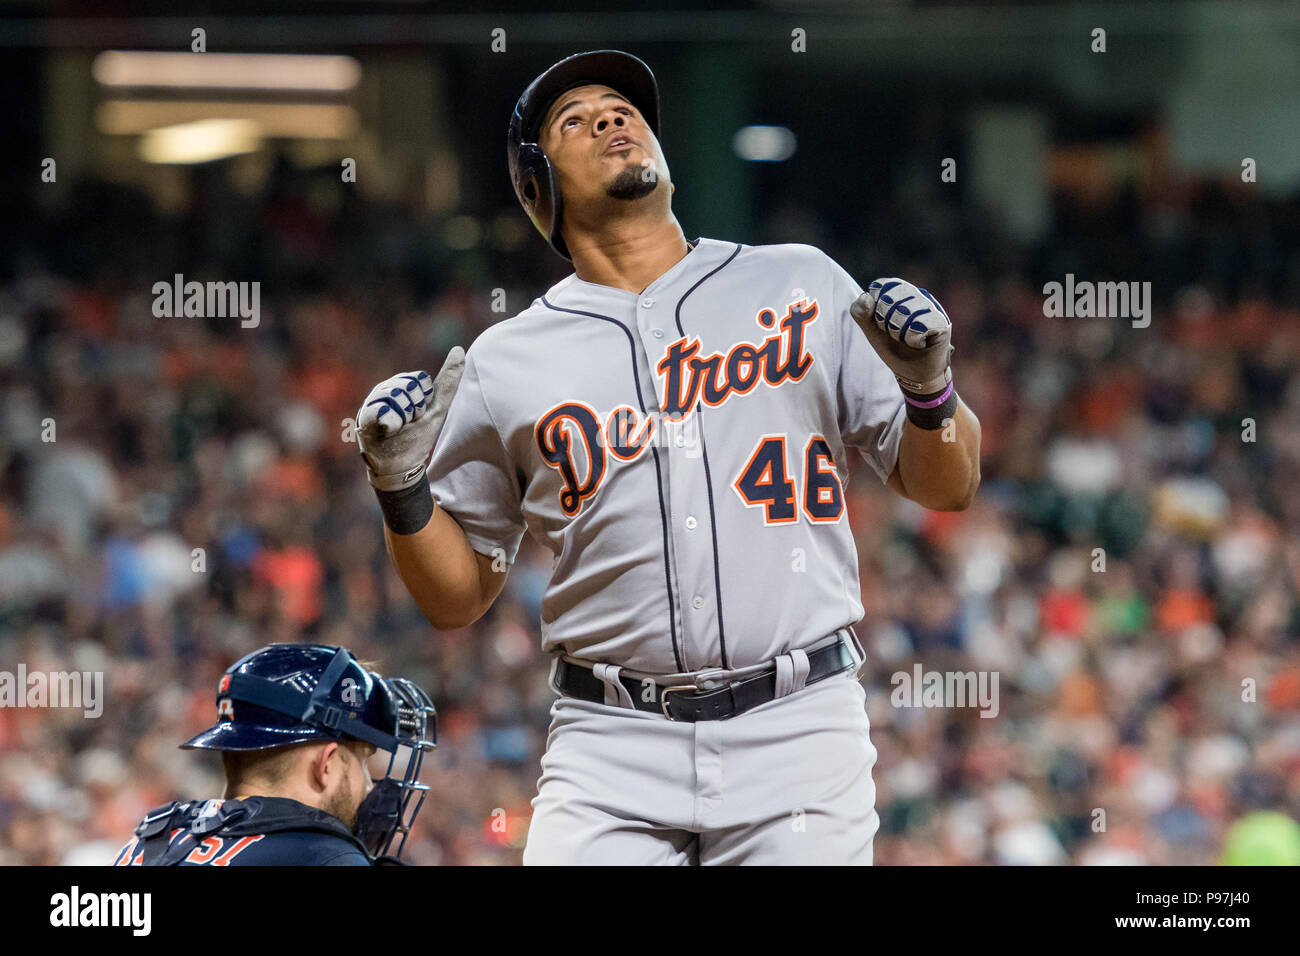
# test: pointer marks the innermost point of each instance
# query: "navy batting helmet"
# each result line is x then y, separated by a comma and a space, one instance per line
530, 171
288, 694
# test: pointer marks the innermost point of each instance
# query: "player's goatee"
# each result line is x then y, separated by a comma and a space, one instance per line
632, 183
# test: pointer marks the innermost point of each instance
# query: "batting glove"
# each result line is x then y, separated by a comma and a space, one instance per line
912, 334
400, 420
909, 330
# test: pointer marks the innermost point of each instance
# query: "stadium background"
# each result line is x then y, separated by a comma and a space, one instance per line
1120, 690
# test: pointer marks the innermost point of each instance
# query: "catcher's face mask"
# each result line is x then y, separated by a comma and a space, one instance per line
391, 807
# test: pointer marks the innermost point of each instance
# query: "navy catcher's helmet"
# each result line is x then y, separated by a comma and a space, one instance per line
530, 171
287, 694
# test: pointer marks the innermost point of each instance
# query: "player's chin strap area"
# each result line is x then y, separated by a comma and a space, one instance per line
391, 807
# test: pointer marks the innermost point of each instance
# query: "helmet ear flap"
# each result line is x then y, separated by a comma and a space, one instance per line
539, 193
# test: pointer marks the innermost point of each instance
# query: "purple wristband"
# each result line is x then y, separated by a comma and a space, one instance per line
929, 403
931, 411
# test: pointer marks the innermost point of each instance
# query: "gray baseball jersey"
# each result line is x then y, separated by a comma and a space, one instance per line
681, 452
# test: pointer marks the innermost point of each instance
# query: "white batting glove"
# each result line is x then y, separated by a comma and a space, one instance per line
910, 331
399, 422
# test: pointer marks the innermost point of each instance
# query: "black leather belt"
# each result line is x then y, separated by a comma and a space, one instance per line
688, 703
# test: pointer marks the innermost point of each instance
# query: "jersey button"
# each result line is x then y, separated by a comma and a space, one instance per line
679, 440
697, 602
690, 522
657, 333
647, 303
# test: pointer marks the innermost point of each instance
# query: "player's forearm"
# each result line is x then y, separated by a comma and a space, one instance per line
940, 468
442, 572
397, 429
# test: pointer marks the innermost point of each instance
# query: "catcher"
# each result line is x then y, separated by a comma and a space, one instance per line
296, 725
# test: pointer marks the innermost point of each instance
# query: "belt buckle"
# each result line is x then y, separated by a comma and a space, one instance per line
663, 696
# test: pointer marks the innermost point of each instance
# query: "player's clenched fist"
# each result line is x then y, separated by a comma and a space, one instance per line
912, 333
399, 422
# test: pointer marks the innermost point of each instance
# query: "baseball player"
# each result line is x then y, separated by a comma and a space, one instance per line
673, 422
296, 724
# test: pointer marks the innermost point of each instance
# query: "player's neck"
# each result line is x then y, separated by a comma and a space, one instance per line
629, 255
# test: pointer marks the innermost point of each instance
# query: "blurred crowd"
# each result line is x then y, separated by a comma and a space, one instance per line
178, 492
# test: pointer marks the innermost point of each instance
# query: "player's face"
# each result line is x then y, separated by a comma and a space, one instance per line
601, 147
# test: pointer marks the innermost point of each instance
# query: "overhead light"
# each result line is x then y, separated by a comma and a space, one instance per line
288, 120
199, 142
764, 144
235, 71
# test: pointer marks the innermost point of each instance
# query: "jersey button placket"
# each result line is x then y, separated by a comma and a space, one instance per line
693, 554
652, 337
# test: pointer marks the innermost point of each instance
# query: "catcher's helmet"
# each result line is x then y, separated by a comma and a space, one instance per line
288, 694
530, 171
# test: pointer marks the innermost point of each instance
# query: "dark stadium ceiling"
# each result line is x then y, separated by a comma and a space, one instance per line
255, 24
